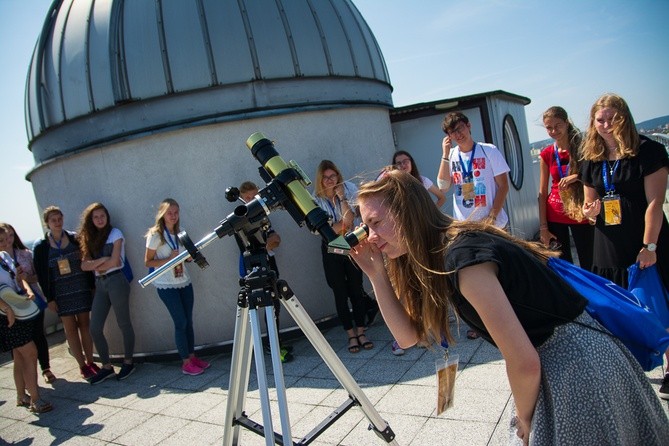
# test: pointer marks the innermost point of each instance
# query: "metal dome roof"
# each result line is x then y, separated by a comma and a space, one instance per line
107, 70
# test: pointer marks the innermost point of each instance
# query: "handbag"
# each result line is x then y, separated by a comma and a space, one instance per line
619, 311
647, 285
127, 270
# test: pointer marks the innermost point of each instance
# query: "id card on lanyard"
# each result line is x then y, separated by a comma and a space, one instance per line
62, 262
468, 176
611, 201
174, 244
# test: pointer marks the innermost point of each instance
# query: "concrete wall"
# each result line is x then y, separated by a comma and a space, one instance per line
195, 166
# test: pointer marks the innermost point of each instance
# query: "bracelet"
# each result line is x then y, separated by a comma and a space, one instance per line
545, 226
445, 159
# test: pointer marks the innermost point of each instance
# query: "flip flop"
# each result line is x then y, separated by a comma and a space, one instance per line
40, 406
367, 345
356, 347
24, 401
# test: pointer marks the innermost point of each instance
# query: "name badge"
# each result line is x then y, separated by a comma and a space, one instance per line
612, 212
64, 266
179, 270
468, 191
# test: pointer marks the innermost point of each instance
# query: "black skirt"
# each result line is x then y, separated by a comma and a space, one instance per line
18, 335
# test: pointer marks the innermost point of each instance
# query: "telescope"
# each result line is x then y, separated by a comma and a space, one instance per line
285, 189
260, 289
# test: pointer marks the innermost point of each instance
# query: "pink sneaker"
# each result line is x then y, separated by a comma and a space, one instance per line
200, 363
93, 366
191, 369
87, 372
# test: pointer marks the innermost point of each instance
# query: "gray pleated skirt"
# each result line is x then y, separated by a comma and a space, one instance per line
593, 391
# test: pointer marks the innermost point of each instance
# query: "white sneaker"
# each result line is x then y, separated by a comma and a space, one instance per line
396, 349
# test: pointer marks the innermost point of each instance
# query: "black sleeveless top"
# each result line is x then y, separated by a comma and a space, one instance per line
538, 296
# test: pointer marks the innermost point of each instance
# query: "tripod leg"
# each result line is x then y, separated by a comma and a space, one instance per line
240, 369
273, 335
254, 317
340, 372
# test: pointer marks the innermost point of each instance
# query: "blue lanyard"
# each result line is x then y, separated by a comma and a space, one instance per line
559, 166
467, 171
609, 188
174, 243
332, 208
58, 243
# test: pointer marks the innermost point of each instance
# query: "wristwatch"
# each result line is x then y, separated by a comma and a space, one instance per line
651, 247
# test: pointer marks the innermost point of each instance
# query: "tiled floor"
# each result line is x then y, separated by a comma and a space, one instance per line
159, 405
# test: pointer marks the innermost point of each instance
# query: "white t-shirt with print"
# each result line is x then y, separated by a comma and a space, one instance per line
488, 162
163, 251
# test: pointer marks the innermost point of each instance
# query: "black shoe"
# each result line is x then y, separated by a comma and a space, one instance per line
371, 315
664, 388
102, 375
126, 370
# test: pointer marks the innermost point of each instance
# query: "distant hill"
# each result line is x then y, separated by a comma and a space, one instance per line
653, 124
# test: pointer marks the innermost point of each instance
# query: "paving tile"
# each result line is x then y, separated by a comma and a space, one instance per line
409, 400
453, 432
159, 405
195, 433
152, 431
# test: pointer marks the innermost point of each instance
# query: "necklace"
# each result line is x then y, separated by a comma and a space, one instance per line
612, 168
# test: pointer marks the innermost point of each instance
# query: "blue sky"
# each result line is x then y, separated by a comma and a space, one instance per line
555, 53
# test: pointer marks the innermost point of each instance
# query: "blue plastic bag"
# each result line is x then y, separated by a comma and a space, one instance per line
620, 312
647, 285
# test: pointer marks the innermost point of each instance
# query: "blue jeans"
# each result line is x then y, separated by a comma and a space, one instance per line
179, 303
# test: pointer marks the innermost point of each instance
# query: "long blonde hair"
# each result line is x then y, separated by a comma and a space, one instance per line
624, 130
572, 197
419, 277
159, 226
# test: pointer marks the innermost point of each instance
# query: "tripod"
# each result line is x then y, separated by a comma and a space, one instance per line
259, 289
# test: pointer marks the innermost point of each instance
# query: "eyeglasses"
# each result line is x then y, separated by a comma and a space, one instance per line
404, 162
460, 128
333, 177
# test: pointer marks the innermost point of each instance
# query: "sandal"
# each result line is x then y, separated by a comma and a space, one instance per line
24, 401
354, 348
40, 406
48, 375
367, 345
471, 334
